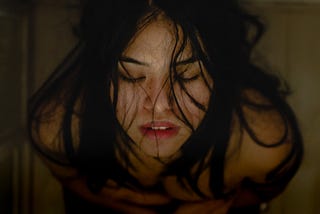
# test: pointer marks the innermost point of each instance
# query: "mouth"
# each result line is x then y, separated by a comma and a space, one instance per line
159, 130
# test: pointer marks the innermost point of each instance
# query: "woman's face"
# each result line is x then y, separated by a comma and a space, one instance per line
150, 101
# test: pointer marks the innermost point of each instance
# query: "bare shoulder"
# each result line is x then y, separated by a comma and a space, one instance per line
266, 140
47, 138
46, 130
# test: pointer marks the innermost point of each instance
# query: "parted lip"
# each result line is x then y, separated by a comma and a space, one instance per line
159, 125
157, 130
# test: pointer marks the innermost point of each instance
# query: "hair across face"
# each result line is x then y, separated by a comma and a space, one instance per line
144, 72
163, 89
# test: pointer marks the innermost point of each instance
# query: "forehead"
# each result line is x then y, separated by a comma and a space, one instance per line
158, 38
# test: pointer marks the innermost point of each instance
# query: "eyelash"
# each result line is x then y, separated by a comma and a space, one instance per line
187, 80
130, 79
178, 78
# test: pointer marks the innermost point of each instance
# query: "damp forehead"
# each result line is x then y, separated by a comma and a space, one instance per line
159, 33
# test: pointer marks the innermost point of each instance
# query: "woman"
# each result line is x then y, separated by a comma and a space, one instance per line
159, 109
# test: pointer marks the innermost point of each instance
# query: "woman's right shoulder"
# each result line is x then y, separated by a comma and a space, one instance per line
47, 131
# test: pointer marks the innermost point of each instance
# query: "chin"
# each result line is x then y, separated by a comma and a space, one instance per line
160, 151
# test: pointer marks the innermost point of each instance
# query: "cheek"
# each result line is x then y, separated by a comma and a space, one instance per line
127, 103
201, 89
200, 92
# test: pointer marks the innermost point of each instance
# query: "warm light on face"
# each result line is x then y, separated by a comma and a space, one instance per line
151, 97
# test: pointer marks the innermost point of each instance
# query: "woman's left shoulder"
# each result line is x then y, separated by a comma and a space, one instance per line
267, 138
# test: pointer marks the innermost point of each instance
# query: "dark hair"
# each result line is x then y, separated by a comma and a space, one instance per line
104, 31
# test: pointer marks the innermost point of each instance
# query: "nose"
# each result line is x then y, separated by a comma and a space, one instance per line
157, 96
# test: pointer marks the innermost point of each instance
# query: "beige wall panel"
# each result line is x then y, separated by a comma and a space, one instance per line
47, 191
52, 38
273, 46
304, 57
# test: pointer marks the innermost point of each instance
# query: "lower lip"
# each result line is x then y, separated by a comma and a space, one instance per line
159, 134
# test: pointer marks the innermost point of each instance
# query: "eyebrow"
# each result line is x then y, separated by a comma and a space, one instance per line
190, 60
132, 60
127, 59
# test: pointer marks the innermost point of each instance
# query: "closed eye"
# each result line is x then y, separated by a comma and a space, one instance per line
131, 79
189, 79
187, 76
